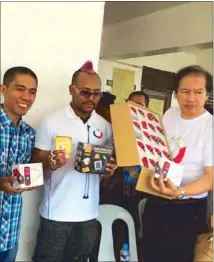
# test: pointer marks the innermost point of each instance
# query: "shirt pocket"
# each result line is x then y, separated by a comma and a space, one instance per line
24, 151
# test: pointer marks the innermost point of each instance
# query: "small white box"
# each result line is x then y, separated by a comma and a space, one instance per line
170, 170
28, 175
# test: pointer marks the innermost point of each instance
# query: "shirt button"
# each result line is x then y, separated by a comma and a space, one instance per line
6, 216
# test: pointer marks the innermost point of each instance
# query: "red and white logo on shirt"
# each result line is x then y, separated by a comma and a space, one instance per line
179, 143
98, 134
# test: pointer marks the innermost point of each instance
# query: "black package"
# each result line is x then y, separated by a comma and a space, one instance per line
92, 159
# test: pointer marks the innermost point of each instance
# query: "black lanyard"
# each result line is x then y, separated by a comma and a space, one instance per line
87, 175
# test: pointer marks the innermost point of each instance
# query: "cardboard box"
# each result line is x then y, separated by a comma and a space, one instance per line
139, 139
92, 158
28, 175
64, 143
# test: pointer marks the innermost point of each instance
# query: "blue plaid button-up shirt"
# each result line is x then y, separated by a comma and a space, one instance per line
16, 144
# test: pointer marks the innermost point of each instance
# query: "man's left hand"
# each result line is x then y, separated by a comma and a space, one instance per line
166, 188
111, 166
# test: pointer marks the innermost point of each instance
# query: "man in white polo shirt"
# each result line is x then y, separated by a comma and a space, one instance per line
171, 226
70, 202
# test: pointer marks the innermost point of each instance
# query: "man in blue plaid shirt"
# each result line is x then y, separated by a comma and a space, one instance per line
16, 143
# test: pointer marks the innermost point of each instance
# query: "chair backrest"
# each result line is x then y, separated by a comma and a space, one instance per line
108, 214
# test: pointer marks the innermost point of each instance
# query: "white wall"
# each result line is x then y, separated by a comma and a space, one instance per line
168, 62
204, 58
180, 26
105, 70
53, 39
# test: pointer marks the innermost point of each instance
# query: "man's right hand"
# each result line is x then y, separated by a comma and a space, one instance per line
56, 159
6, 185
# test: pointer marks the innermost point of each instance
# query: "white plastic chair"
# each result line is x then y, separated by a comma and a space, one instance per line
141, 207
108, 214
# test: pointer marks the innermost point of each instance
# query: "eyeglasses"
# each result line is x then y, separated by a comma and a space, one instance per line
87, 93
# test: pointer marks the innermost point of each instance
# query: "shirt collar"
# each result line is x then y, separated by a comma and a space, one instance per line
6, 121
71, 114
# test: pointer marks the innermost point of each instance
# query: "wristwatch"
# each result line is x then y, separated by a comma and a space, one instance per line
182, 193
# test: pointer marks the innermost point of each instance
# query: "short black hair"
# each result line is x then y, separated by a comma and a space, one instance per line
11, 73
193, 70
107, 99
209, 108
140, 93
76, 75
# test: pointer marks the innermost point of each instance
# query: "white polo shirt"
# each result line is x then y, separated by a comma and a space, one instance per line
64, 188
195, 135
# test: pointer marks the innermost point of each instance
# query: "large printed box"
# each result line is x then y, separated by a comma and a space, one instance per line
139, 139
28, 175
92, 158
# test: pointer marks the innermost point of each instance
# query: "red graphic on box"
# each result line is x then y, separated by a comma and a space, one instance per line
154, 138
141, 112
17, 174
166, 154
133, 110
147, 135
161, 142
158, 151
152, 127
151, 144
136, 124
159, 129
165, 169
27, 175
141, 145
144, 125
153, 162
150, 148
151, 117
145, 162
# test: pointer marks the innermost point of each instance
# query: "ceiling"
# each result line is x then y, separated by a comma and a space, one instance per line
119, 11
